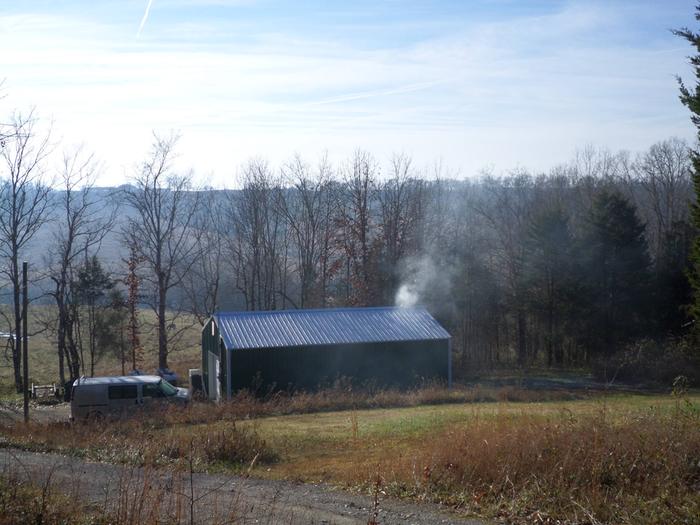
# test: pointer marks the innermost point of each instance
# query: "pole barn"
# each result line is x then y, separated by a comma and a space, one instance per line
304, 349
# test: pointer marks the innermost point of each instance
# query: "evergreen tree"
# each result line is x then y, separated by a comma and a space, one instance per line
690, 97
550, 277
672, 292
111, 323
616, 266
92, 285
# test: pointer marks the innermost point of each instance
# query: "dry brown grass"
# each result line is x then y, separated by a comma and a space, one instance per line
134, 496
589, 469
342, 396
619, 459
31, 503
146, 439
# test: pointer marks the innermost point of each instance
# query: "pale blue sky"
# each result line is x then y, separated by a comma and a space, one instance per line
475, 84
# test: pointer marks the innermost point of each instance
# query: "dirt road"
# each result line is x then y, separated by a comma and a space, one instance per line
136, 493
41, 413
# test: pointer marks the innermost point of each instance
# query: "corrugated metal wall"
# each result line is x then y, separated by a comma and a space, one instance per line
394, 364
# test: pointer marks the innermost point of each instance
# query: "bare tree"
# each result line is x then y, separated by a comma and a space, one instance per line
164, 209
82, 224
256, 241
24, 209
133, 284
202, 283
506, 208
356, 201
664, 174
306, 203
401, 209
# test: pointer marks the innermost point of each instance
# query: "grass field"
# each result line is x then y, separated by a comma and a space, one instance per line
517, 455
622, 459
43, 358
605, 459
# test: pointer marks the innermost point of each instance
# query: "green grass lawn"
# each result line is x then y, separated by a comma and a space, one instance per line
303, 435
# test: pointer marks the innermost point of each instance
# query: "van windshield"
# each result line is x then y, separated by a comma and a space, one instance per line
167, 388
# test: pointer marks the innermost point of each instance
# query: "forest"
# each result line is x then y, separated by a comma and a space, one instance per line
583, 267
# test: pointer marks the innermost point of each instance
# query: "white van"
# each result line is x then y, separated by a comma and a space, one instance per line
95, 397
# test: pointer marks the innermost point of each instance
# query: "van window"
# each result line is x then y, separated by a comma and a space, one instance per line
167, 388
152, 390
122, 392
160, 389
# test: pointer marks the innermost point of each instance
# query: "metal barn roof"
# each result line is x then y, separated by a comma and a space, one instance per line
281, 328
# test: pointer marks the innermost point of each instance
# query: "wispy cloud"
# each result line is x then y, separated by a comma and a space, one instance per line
509, 89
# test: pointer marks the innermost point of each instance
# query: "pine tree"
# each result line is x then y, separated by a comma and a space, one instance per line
92, 284
550, 276
617, 273
690, 97
111, 326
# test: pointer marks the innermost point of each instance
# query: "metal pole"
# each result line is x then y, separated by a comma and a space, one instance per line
25, 304
449, 363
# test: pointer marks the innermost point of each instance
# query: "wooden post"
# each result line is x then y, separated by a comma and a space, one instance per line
25, 362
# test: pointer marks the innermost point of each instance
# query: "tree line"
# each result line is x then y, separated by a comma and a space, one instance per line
555, 269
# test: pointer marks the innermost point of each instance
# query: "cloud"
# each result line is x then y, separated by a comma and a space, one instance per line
525, 89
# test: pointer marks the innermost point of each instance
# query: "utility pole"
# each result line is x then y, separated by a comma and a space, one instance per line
25, 361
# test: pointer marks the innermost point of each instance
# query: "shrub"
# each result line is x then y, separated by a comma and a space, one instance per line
651, 362
26, 503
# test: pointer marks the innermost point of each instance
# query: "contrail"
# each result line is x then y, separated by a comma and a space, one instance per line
376, 93
145, 17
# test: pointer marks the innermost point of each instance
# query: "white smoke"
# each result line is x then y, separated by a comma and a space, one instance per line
406, 296
420, 279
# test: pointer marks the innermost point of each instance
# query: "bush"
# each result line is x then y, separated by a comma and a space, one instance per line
651, 362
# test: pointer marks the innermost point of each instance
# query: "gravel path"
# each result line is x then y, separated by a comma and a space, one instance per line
136, 494
41, 413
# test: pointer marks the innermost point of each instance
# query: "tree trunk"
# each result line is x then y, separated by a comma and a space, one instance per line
17, 349
162, 334
61, 343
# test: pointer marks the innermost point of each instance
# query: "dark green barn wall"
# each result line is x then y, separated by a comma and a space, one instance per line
396, 364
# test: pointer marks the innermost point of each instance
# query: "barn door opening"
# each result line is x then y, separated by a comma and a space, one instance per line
214, 385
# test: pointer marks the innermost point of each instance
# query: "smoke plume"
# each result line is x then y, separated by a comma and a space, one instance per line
406, 296
421, 282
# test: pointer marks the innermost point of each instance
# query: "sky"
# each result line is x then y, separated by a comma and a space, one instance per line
469, 85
